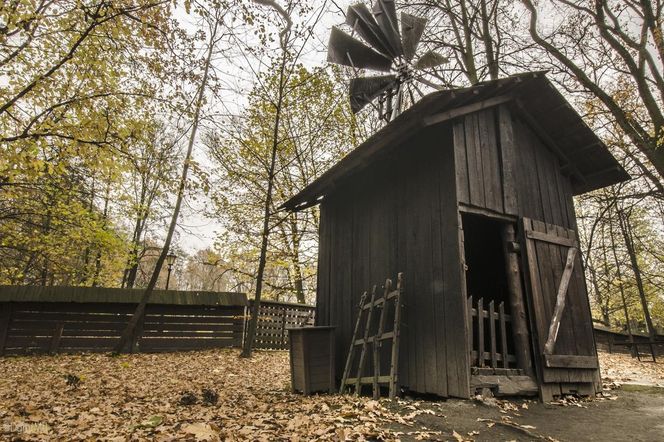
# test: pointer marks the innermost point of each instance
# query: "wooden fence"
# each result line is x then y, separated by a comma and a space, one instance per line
274, 320
75, 319
620, 342
488, 336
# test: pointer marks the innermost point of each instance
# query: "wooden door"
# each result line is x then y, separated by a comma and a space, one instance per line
561, 324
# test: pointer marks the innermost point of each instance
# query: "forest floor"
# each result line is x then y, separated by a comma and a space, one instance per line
215, 395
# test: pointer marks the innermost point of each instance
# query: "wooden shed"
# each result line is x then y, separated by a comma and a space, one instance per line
469, 194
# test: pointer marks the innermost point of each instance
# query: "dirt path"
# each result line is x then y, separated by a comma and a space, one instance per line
636, 413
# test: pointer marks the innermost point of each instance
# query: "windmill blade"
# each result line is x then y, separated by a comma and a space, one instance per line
386, 16
359, 18
412, 28
364, 89
430, 59
424, 81
344, 49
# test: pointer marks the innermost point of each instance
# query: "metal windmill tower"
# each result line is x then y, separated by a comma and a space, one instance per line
383, 48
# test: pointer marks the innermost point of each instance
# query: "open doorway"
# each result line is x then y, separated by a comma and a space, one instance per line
487, 291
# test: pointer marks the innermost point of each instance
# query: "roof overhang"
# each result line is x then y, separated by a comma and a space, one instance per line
581, 153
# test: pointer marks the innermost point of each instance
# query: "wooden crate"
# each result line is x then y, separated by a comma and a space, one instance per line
312, 359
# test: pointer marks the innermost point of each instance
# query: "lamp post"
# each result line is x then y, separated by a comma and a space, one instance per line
170, 260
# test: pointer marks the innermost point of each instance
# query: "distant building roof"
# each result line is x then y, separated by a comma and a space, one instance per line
581, 152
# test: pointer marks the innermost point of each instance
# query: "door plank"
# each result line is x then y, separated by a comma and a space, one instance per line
570, 361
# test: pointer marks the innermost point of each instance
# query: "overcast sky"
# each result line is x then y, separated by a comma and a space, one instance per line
196, 231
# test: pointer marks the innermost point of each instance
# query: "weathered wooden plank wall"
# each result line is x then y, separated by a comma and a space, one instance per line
503, 167
401, 217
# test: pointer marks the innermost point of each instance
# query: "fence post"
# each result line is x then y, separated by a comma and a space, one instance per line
283, 327
5, 317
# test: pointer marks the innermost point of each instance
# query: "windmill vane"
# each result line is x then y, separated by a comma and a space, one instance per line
383, 46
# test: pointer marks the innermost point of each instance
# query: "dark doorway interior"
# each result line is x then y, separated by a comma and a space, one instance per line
485, 276
486, 284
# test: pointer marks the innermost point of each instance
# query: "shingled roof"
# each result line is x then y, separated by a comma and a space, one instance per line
581, 152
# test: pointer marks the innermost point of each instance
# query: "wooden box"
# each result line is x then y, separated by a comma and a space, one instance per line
312, 359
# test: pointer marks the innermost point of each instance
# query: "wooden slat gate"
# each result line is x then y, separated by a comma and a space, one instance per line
497, 355
274, 320
560, 317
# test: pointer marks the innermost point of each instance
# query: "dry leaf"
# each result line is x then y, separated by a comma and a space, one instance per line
202, 432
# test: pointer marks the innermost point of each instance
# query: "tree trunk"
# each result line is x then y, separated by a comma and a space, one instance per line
128, 333
621, 288
95, 278
626, 230
130, 272
253, 321
491, 56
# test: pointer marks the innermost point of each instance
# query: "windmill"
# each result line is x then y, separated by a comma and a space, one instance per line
383, 49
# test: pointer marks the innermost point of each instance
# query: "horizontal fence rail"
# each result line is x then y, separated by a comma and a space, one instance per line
37, 320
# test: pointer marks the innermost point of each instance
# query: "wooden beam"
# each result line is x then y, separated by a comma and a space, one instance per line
367, 380
503, 333
469, 307
508, 158
351, 350
371, 339
480, 332
553, 239
367, 328
570, 361
488, 213
508, 385
394, 360
467, 109
380, 301
377, 341
517, 301
560, 302
492, 334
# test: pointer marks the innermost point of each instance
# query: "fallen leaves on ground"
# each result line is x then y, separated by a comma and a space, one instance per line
201, 395
215, 395
617, 368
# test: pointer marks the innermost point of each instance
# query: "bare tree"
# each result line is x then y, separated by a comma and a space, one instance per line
614, 50
262, 260
214, 19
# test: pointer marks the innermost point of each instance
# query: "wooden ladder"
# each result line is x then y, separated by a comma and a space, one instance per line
376, 341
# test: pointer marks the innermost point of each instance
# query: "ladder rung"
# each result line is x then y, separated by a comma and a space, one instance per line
380, 301
368, 380
370, 339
